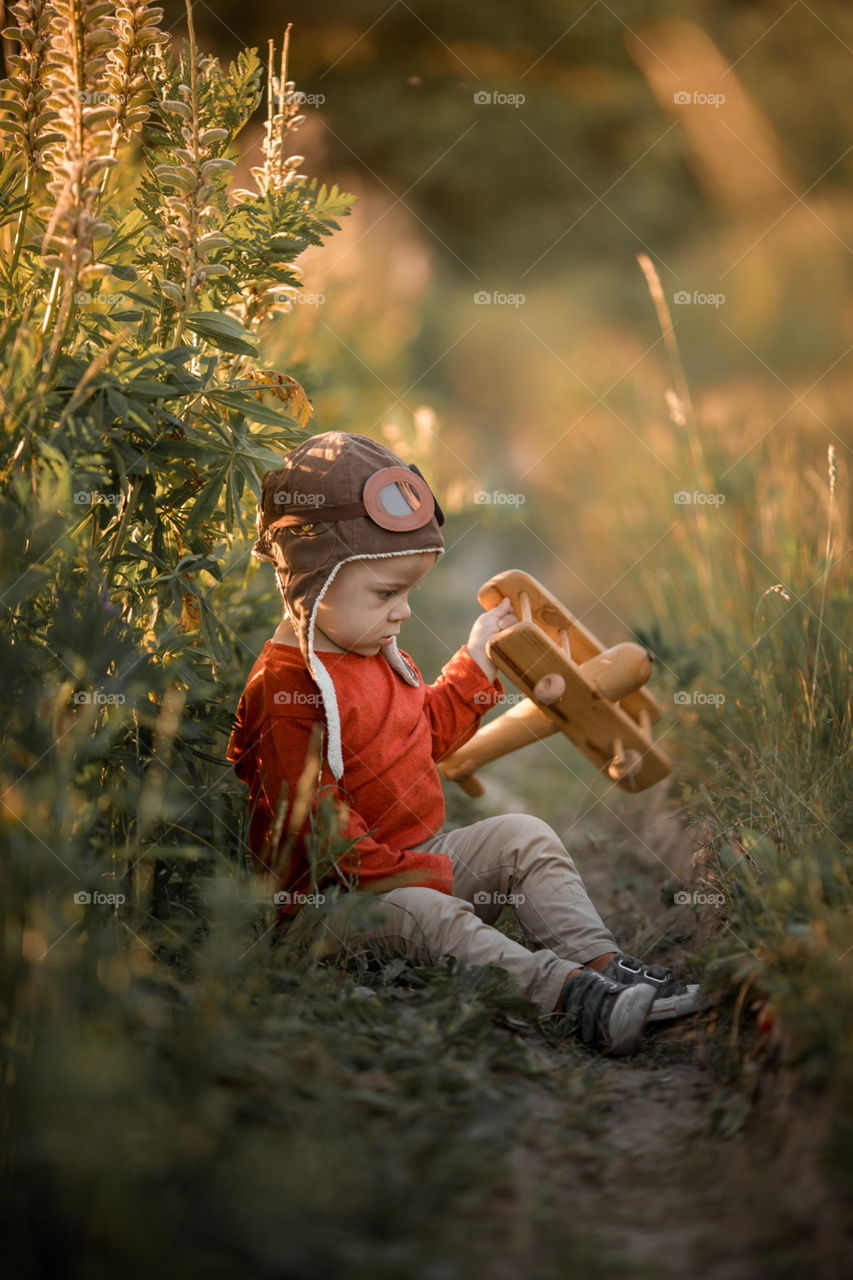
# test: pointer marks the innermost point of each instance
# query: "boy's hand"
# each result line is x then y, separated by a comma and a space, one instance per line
487, 625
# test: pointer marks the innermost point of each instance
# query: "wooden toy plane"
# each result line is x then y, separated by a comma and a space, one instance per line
572, 684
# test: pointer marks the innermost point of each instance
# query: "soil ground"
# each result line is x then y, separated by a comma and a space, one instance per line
656, 1166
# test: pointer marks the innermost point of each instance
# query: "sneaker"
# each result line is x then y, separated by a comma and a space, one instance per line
673, 999
605, 1014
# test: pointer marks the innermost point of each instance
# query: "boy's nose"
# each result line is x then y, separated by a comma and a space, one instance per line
400, 612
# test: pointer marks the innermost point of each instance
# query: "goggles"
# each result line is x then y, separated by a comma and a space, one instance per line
396, 498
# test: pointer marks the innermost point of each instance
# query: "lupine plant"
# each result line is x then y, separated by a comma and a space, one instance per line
137, 420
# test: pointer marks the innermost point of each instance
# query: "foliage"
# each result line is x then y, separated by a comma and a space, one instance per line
764, 745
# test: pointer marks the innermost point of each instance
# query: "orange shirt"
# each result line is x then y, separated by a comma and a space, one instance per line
392, 733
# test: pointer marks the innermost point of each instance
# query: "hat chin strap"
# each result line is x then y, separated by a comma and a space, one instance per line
395, 659
321, 675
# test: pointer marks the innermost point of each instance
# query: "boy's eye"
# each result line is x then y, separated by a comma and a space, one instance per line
385, 594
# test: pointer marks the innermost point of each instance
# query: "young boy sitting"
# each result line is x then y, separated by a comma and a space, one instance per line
351, 530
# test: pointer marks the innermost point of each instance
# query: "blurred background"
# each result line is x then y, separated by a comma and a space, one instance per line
483, 309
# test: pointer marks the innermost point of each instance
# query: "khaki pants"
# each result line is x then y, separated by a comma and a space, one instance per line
513, 859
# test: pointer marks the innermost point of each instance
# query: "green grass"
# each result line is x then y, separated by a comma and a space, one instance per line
266, 1112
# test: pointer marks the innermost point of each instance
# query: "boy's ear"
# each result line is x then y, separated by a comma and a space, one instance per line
439, 514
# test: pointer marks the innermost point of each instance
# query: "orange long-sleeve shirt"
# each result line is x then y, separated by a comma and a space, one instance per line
392, 735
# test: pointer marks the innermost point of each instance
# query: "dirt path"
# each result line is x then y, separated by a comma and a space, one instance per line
627, 1167
650, 1167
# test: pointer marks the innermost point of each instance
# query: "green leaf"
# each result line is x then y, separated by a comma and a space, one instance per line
205, 503
150, 304
150, 388
223, 332
250, 408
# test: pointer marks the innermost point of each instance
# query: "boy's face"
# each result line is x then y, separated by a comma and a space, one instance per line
368, 602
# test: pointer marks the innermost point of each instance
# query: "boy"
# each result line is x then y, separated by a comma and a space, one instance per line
351, 530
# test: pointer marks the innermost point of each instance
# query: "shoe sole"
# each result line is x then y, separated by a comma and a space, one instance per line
676, 1006
628, 1017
